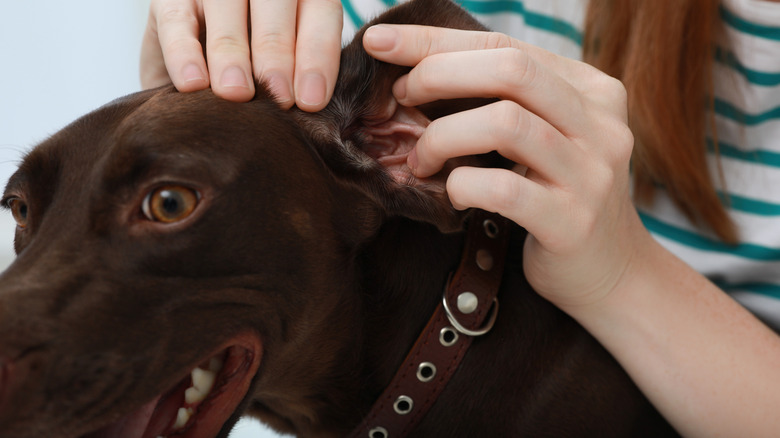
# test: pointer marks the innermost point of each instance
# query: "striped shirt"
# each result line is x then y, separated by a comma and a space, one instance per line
747, 115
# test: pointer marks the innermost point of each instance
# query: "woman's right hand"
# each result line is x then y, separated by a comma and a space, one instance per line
293, 44
682, 340
563, 122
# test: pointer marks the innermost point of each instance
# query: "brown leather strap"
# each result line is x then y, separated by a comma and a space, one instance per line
469, 307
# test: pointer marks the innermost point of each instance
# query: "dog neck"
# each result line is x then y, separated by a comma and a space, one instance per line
409, 289
468, 309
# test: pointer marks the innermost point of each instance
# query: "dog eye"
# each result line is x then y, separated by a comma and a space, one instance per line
18, 210
170, 204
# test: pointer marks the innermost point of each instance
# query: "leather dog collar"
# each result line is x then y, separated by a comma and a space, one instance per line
468, 309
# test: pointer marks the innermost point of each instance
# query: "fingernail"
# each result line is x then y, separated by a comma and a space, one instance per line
192, 73
234, 77
312, 89
380, 38
279, 86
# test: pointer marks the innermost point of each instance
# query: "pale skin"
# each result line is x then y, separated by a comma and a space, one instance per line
707, 364
294, 46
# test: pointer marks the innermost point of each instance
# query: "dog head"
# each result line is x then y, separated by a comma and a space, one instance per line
176, 254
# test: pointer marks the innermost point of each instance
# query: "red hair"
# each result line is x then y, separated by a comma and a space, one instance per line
662, 50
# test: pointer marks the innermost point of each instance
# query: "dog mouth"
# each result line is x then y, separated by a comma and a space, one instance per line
201, 403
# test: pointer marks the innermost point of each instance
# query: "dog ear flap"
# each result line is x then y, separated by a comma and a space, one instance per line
364, 136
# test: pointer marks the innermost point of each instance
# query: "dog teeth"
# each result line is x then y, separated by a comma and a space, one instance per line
193, 395
202, 382
182, 417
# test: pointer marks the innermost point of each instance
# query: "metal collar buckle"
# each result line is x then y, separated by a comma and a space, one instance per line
486, 327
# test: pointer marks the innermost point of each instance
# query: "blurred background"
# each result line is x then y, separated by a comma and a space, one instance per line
58, 61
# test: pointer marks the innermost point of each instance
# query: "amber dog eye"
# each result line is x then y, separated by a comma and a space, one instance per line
170, 204
18, 210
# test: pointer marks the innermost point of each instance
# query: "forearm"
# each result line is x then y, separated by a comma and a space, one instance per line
707, 364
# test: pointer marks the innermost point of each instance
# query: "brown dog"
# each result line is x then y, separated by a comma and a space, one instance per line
183, 260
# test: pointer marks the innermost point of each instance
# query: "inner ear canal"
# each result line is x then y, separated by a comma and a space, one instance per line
389, 142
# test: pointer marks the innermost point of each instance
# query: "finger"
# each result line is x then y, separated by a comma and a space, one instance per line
502, 191
404, 44
504, 73
273, 46
227, 48
505, 127
317, 52
152, 66
410, 44
171, 51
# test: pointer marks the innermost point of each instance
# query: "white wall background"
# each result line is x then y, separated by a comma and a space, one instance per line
58, 61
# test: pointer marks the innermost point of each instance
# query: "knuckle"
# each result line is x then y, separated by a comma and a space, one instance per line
169, 13
515, 68
607, 88
332, 6
329, 5
425, 45
227, 44
504, 191
619, 141
497, 40
616, 89
272, 42
508, 122
624, 141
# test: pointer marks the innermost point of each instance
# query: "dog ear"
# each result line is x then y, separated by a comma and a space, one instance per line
364, 136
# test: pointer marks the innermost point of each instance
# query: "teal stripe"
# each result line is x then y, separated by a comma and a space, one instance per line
389, 3
740, 203
765, 158
352, 13
744, 26
755, 77
693, 240
766, 289
729, 111
749, 205
532, 19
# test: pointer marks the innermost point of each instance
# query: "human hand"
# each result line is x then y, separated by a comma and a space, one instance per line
294, 45
565, 125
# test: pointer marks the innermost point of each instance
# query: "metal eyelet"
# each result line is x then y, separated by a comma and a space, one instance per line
448, 336
491, 229
378, 432
426, 372
403, 405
